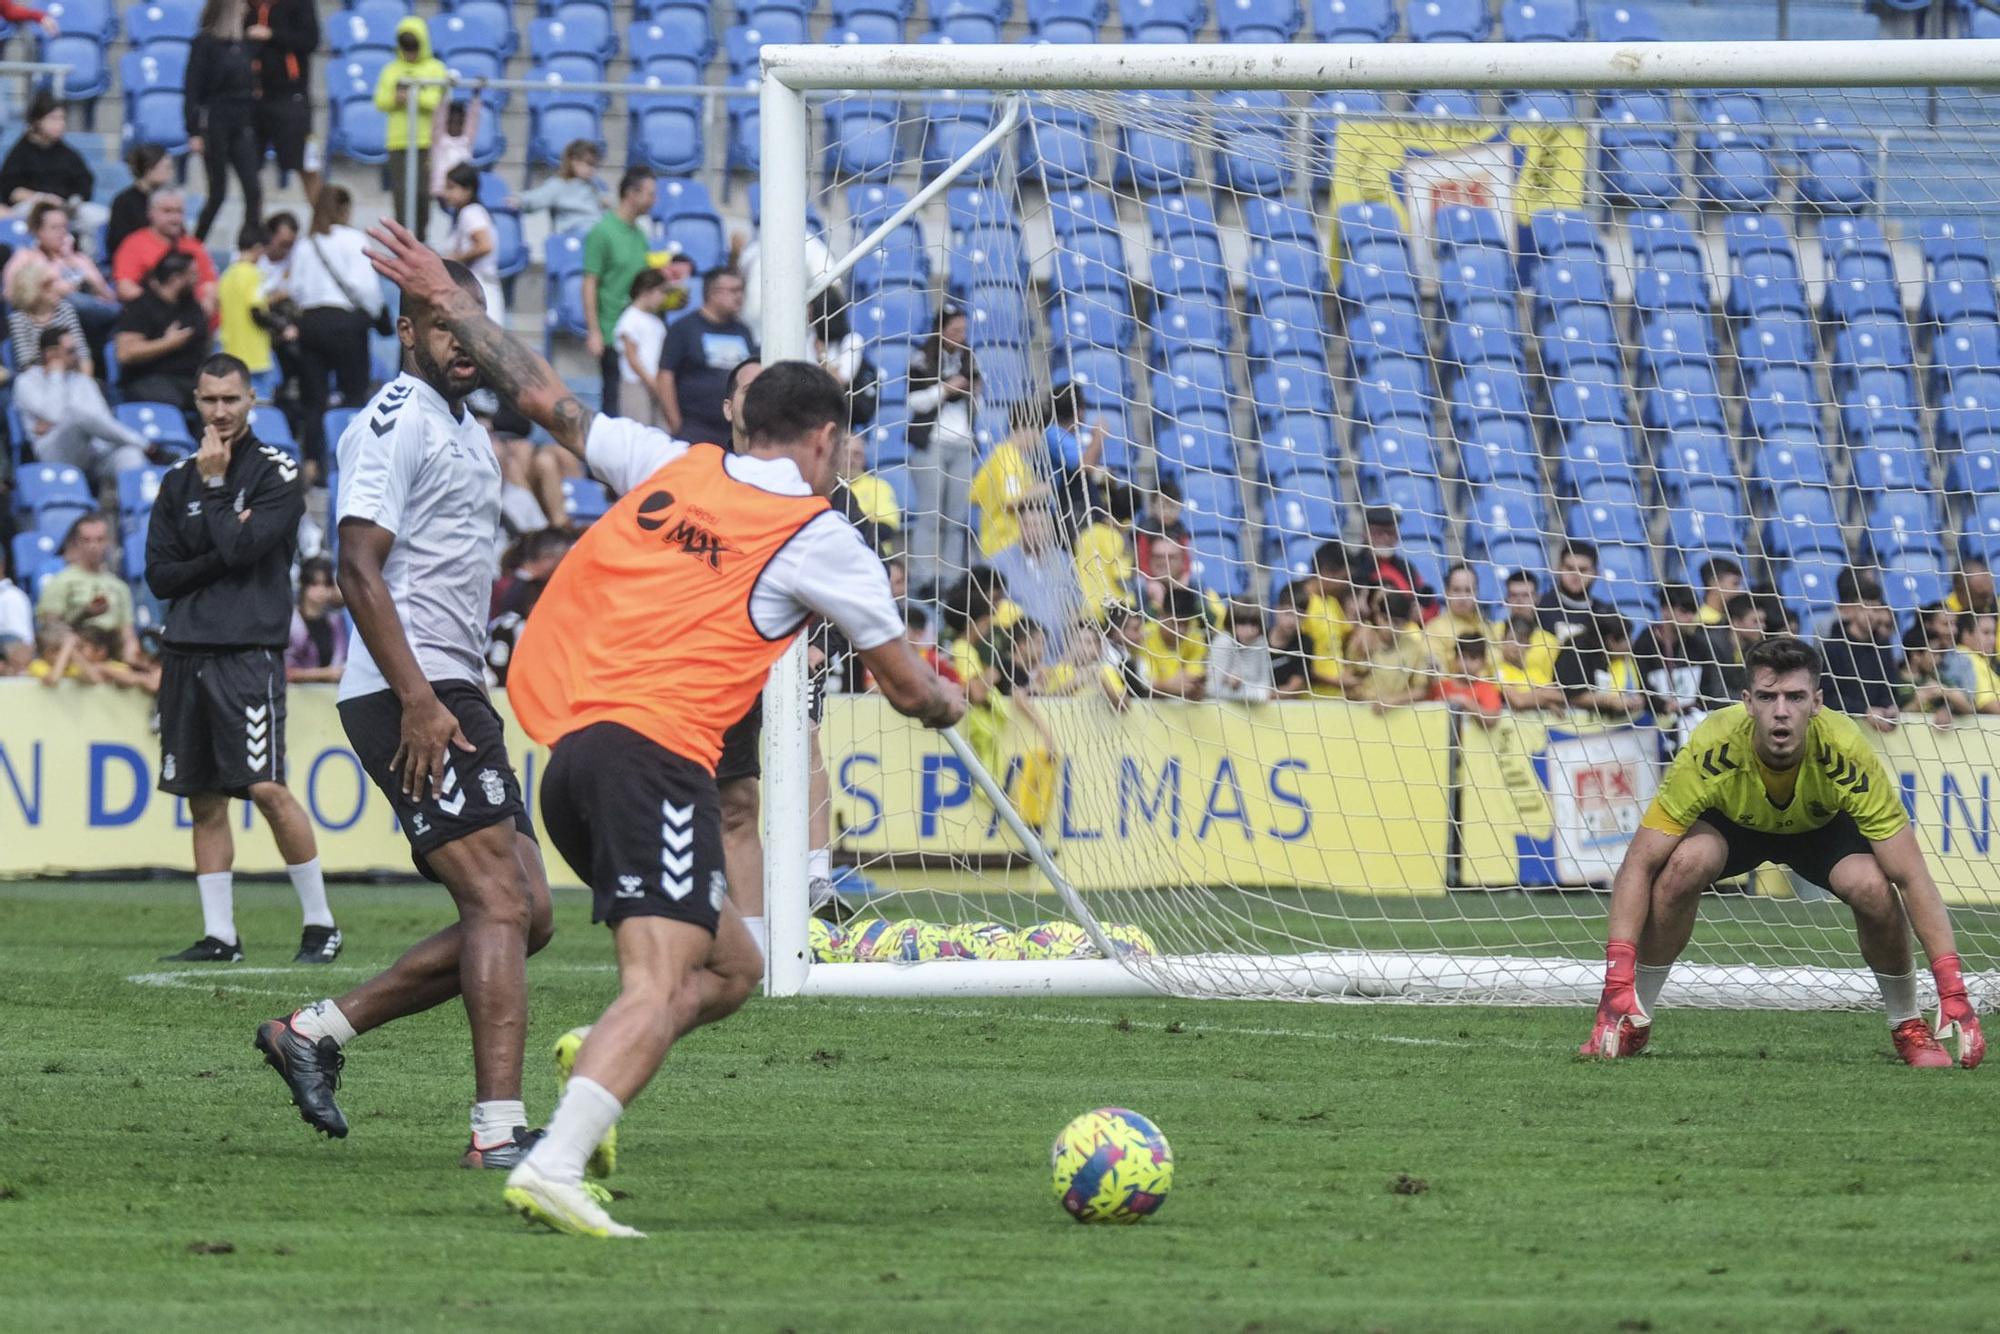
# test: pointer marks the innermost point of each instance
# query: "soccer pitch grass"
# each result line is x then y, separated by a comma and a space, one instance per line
828, 1165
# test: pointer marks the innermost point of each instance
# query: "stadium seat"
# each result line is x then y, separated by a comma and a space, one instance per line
1483, 331
1695, 458
1398, 447
1253, 153
1855, 248
862, 138
1394, 388
953, 124
86, 76
1638, 147
1733, 169
1452, 104
562, 265
1902, 523
1664, 241
1448, 21
1354, 20
1577, 403
85, 18
1973, 408
1500, 449
1495, 514
1960, 349
1574, 335
585, 500
155, 109
166, 21
1265, 21
1626, 579
1981, 537
1196, 449
41, 486
1323, 123
1571, 282
1775, 342
1784, 399
1594, 454
1285, 390
744, 43
1162, 20
271, 427
1475, 275
1654, 292
137, 489
555, 121
1684, 399
1384, 331
1808, 587
1295, 329
161, 425
1297, 444
1673, 337
1155, 150
1803, 522
1836, 166
1871, 345
1895, 460
1542, 21
1863, 298
1216, 564
1102, 377
1184, 224
1497, 390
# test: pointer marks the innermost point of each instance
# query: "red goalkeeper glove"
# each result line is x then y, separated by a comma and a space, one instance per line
1622, 1022
1956, 1017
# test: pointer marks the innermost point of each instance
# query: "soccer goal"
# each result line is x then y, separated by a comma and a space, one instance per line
1639, 322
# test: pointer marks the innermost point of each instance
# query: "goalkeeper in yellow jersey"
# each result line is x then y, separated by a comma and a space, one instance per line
1776, 779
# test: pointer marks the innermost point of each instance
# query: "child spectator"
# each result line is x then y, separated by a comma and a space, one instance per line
1969, 667
1291, 670
413, 62
1239, 658
317, 650
640, 334
454, 127
1923, 689
474, 241
247, 323
91, 656
1468, 685
1104, 564
1526, 667
574, 197
1007, 483
1173, 654
1327, 616
1387, 662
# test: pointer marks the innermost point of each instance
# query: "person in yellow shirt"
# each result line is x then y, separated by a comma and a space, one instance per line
1459, 618
1173, 655
1388, 661
247, 323
1007, 481
1105, 566
1780, 779
1972, 588
1721, 580
862, 496
1525, 666
1969, 667
1540, 659
1324, 624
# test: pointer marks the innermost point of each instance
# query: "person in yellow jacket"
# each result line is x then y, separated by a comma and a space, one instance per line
392, 97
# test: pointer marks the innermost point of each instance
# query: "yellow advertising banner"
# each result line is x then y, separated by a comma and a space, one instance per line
1314, 793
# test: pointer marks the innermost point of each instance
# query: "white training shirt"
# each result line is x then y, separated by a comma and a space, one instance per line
649, 333
826, 568
408, 465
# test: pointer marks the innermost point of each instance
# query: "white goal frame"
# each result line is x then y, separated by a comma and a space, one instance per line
789, 73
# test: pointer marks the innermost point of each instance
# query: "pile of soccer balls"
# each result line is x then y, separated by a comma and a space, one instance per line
873, 940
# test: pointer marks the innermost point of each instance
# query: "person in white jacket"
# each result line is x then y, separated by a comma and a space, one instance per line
1239, 658
68, 420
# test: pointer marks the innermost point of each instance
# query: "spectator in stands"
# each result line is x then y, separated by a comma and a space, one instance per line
1721, 580
1075, 449
702, 347
1567, 608
1291, 669
841, 354
1969, 666
75, 277
1940, 624
91, 656
1596, 670
1173, 652
1460, 616
1105, 566
474, 241
84, 595
274, 266
866, 500
165, 233
1526, 669
1743, 630
285, 34
340, 301
35, 308
944, 386
1673, 655
640, 336
162, 337
1040, 575
1327, 617
1972, 588
220, 101
1240, 664
13, 13
317, 650
527, 567
1387, 663
1858, 671
1467, 684
1169, 569
1922, 687
248, 325
151, 170
1391, 570
1520, 597
616, 252
67, 419
574, 197
17, 620
1162, 514
454, 128
40, 166
1005, 485
413, 63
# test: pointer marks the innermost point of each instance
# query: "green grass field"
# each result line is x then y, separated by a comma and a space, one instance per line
873, 1165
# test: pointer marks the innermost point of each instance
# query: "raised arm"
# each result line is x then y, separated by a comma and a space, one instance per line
514, 371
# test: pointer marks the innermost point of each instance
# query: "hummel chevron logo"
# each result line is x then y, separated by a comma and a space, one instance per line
1846, 772
677, 852
381, 428
452, 801
1716, 762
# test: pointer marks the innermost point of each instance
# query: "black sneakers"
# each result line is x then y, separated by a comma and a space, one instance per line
207, 950
310, 1069
318, 944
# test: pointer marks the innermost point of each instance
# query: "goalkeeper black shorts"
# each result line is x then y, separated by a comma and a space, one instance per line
1813, 854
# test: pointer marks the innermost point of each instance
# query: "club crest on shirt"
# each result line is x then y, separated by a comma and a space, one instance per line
494, 788
718, 889
630, 887
167, 768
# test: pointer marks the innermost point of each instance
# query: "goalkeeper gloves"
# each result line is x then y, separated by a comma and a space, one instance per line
1620, 1029
1956, 1018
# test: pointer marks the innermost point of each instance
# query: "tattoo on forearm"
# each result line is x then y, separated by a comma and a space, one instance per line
514, 371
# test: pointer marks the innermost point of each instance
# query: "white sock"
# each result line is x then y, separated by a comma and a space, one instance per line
218, 905
759, 933
310, 886
819, 864
324, 1020
582, 1118
1651, 980
1899, 996
495, 1121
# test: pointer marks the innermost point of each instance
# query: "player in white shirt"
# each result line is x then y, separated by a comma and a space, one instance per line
419, 517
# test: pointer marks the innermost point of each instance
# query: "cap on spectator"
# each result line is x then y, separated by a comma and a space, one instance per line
1379, 516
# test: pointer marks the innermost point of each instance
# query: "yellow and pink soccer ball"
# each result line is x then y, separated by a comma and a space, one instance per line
1130, 941
1055, 940
1111, 1166
986, 940
863, 933
828, 942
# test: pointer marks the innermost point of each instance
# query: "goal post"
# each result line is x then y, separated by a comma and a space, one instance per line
1329, 848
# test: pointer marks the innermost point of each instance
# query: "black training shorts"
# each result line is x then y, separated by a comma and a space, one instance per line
222, 721
478, 789
1813, 854
743, 743
283, 126
641, 825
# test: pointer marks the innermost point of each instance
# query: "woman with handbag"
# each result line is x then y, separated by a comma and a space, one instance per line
340, 302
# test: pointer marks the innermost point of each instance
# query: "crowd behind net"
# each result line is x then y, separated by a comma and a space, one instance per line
1715, 335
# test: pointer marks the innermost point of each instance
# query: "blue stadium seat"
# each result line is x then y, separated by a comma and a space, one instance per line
1253, 153
1452, 104
1704, 525
1696, 458
271, 427
1294, 329
1556, 108
1902, 523
87, 76
1958, 275
746, 147
562, 264
953, 124
577, 30
160, 424
1808, 587
1196, 449
557, 120
1981, 538
1155, 150
1287, 389
1162, 20
1863, 298
1216, 564
1836, 166
1184, 224
1894, 460
1975, 468
1358, 227
1286, 267
1854, 247
896, 263
35, 556
1803, 521
1094, 267
1571, 282
992, 256
1685, 398
743, 43
1063, 147
1664, 241
1654, 292
1354, 20
688, 217
155, 110
1733, 169
862, 138
137, 489
1791, 459
1397, 447
975, 210
1279, 221
1464, 227
1420, 508
1764, 272
1497, 390
1381, 275
964, 28
1599, 400
1624, 23
871, 204
1913, 585
1673, 337
455, 34
1305, 513
1639, 161
1775, 342
1784, 399
1297, 444
1101, 376
1572, 335
1481, 332
1495, 514
45, 486
1542, 21
1384, 331
1961, 348
1075, 212
1448, 21
1626, 579
163, 21
1181, 400
1500, 449
85, 18
1394, 388
1475, 275
1871, 345
1595, 454
666, 133
996, 315
1267, 21
1973, 408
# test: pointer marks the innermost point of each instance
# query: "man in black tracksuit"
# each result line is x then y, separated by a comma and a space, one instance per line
219, 550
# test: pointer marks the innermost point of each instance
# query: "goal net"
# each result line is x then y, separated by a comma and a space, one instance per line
1342, 501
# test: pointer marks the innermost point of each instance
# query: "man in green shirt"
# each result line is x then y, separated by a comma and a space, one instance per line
84, 593
613, 255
